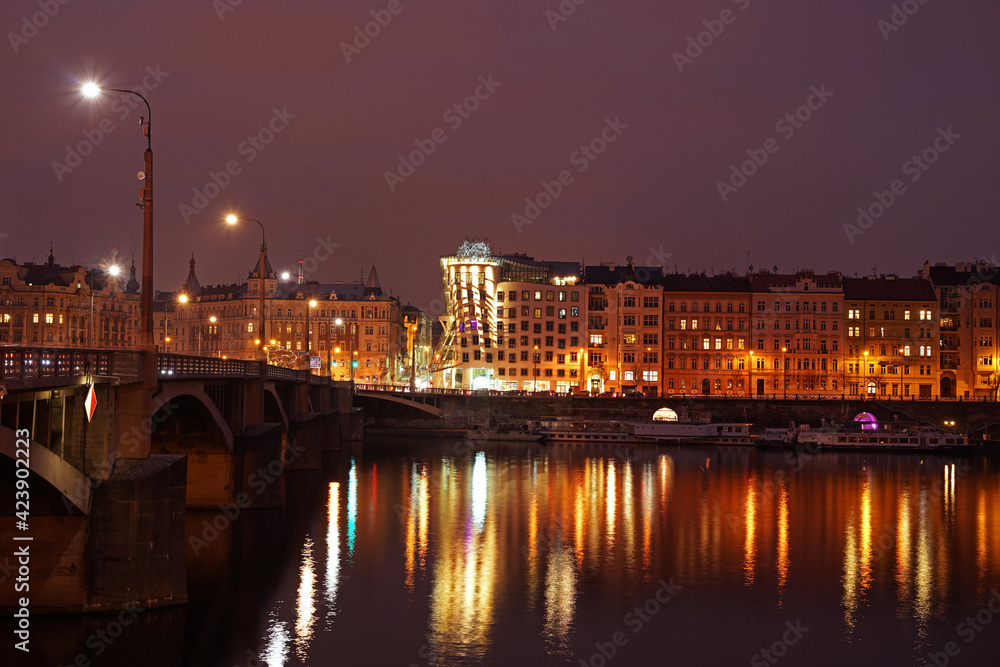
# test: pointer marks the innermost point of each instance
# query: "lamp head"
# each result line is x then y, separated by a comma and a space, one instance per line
114, 270
183, 298
232, 219
90, 89
313, 303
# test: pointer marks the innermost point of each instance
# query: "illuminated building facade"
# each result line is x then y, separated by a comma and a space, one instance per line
625, 328
67, 306
968, 296
797, 334
368, 344
511, 322
891, 337
707, 336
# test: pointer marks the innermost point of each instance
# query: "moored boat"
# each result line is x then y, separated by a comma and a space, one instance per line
895, 436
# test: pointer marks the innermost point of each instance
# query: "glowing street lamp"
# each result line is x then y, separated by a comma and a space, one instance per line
312, 303
92, 90
232, 220
784, 372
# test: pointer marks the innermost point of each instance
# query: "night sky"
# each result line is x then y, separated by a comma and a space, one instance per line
677, 117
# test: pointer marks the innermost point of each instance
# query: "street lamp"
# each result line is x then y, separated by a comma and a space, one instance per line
750, 375
146, 304
309, 306
114, 271
784, 373
647, 378
864, 370
534, 372
232, 220
413, 359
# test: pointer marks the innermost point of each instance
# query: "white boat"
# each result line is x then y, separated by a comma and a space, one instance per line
589, 431
505, 434
729, 433
883, 436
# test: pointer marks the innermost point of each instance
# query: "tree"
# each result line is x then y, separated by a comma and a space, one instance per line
994, 383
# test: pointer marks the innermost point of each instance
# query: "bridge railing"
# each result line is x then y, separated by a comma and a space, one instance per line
181, 364
34, 363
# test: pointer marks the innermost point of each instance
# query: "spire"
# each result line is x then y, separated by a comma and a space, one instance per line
373, 288
52, 257
132, 287
301, 278
268, 271
191, 286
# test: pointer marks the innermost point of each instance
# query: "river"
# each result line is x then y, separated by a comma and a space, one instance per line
447, 552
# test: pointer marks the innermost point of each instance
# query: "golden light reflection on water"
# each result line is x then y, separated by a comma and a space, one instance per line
782, 560
611, 503
501, 529
560, 600
465, 577
981, 538
628, 517
305, 604
750, 538
904, 547
924, 571
648, 496
857, 575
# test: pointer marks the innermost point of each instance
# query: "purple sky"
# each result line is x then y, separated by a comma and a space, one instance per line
654, 187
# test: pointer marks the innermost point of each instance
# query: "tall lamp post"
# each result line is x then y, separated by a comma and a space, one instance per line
750, 375
413, 360
784, 373
310, 304
146, 303
534, 372
865, 371
232, 220
114, 271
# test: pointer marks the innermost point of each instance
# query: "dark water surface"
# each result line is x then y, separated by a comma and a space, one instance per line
407, 552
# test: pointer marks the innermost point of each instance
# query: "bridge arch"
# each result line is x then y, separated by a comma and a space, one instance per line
385, 396
269, 390
170, 392
46, 464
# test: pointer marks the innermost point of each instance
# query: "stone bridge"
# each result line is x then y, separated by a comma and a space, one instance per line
108, 493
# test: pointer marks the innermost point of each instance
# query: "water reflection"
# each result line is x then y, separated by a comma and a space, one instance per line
534, 546
560, 599
305, 604
782, 560
750, 537
332, 549
352, 507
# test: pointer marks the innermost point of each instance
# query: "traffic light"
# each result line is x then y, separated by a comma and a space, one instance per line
355, 363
